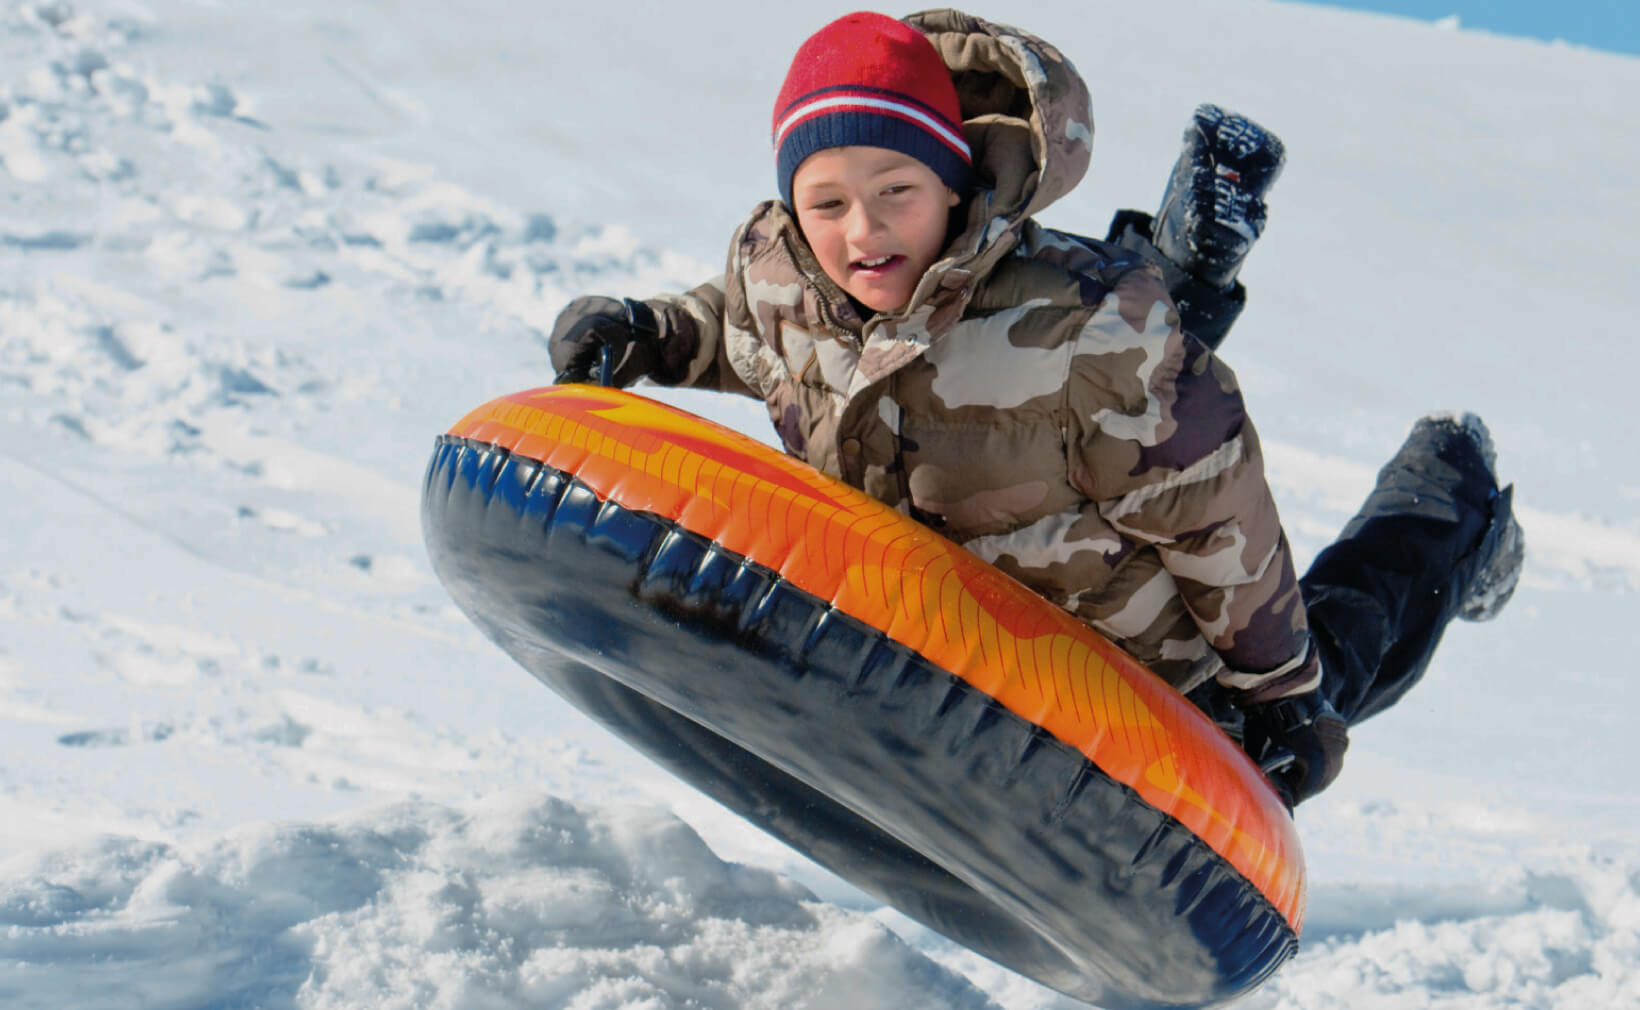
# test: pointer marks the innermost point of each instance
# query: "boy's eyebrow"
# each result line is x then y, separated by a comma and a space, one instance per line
813, 192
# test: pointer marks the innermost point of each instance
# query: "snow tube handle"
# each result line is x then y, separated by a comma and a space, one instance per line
606, 371
1277, 760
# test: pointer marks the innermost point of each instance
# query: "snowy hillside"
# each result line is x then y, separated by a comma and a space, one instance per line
252, 261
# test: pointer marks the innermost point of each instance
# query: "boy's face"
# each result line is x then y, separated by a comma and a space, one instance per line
875, 219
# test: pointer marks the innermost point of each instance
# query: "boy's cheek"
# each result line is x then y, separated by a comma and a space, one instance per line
832, 260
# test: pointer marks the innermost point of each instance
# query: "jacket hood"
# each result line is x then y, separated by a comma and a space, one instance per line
1028, 120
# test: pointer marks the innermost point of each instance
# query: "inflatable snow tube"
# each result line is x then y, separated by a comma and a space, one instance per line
870, 693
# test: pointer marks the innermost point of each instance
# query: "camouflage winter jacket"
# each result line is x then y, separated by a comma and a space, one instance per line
1035, 401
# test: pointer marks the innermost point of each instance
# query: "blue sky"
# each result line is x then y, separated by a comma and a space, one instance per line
1612, 25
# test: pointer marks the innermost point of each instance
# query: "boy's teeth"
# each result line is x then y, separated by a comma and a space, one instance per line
879, 261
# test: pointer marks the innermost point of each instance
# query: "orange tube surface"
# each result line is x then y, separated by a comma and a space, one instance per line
924, 592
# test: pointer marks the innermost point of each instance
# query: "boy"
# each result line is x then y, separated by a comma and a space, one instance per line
1033, 396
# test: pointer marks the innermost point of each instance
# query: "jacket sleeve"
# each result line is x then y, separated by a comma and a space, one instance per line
1165, 448
694, 327
692, 346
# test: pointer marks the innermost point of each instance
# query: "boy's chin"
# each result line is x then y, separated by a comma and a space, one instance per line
879, 301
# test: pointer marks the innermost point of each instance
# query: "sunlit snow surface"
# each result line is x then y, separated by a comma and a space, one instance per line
252, 262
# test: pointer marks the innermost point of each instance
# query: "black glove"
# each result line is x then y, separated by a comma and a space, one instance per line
1299, 743
613, 342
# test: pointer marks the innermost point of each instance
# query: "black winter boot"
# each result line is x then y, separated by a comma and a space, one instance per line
1502, 552
1213, 210
1447, 470
1211, 214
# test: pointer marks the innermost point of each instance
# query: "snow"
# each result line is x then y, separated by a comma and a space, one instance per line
515, 901
253, 260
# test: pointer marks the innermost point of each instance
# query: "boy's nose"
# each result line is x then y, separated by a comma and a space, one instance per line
861, 223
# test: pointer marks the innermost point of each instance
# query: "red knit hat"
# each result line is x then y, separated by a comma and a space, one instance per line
869, 80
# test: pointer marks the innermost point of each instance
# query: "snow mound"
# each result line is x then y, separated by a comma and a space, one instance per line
1565, 935
521, 901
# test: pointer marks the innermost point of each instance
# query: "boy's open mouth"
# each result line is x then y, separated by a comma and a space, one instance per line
876, 264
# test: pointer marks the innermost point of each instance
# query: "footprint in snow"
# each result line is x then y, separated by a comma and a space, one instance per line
284, 522
93, 738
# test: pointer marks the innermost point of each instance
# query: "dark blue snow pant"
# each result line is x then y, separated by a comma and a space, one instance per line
1380, 596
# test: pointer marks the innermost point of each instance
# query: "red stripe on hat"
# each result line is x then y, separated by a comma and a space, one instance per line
834, 102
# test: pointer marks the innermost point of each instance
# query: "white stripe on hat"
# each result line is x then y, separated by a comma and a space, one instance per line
842, 101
